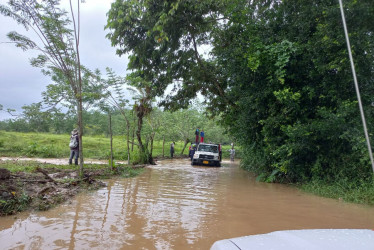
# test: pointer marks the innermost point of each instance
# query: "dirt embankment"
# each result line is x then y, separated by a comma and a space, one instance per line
45, 187
42, 189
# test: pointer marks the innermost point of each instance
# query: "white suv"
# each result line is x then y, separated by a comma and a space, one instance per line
207, 154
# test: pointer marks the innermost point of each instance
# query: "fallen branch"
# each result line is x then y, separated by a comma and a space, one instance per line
35, 181
38, 169
139, 166
45, 190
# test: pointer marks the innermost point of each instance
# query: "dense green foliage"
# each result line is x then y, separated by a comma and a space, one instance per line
278, 75
297, 112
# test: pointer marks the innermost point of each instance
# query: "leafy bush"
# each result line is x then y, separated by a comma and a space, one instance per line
15, 204
295, 106
357, 191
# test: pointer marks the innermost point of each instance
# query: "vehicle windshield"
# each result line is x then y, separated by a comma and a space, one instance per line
208, 148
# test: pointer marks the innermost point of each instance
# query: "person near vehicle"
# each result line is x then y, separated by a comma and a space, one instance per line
220, 152
74, 147
232, 152
172, 149
202, 134
192, 150
197, 135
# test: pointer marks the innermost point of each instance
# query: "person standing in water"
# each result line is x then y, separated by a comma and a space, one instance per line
232, 152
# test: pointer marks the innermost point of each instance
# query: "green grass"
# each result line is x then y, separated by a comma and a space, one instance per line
45, 145
17, 204
361, 192
56, 146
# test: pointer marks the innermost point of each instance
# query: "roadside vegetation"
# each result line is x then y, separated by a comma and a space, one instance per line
357, 191
278, 76
46, 145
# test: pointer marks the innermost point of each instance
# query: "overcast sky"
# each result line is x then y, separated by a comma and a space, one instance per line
21, 84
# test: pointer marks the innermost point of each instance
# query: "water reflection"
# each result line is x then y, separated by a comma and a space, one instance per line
176, 206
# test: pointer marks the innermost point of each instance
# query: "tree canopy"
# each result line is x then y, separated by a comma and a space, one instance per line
278, 74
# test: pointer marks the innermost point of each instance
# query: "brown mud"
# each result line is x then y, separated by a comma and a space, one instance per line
38, 191
46, 187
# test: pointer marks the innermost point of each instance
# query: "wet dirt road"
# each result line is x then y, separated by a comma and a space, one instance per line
176, 206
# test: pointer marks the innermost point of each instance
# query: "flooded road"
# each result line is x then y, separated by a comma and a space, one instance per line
176, 206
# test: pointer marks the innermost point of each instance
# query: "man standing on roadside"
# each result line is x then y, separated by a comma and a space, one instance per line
172, 149
74, 147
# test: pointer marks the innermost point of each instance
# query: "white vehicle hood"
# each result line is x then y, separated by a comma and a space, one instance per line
206, 153
313, 239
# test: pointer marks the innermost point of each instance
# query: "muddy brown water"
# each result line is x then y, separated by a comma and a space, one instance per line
176, 206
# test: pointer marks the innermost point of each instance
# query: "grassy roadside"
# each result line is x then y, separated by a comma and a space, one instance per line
27, 188
360, 192
45, 145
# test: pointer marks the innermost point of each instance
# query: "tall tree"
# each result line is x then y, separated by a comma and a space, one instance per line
58, 44
154, 121
142, 108
165, 41
278, 74
288, 69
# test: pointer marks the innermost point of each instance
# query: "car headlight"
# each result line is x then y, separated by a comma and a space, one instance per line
196, 156
215, 157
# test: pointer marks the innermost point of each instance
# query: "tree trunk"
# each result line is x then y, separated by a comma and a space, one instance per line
163, 147
111, 142
128, 146
186, 141
138, 134
80, 126
144, 154
133, 134
79, 88
152, 137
